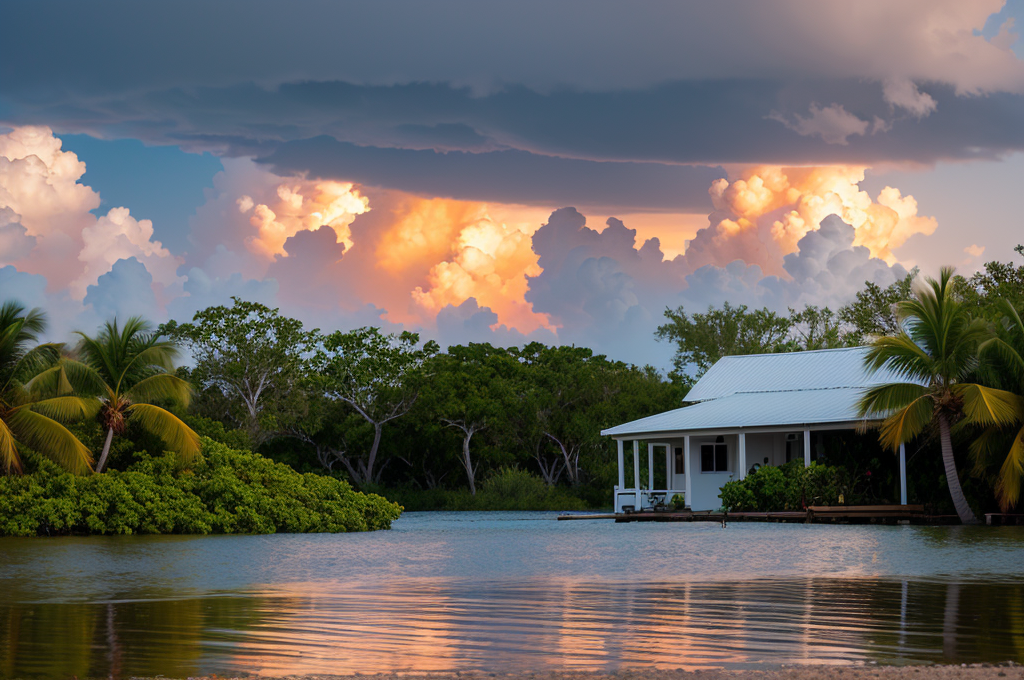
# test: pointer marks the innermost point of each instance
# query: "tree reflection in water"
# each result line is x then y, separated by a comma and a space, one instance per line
536, 625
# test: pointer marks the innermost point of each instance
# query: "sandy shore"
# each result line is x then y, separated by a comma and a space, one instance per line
872, 672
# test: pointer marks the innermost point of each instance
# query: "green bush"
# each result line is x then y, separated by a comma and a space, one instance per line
790, 487
506, 489
225, 492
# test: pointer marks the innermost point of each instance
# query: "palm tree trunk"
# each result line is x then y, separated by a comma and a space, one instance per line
952, 477
106, 451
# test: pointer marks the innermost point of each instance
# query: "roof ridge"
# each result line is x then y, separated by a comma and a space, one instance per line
790, 354
800, 389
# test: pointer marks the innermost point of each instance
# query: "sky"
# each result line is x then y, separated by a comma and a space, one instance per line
500, 172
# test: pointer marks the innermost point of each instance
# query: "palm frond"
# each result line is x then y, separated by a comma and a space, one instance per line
178, 436
161, 354
160, 387
50, 438
51, 382
989, 406
67, 409
906, 423
882, 400
10, 461
1011, 473
901, 355
984, 446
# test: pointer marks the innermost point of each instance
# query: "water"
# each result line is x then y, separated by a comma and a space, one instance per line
510, 592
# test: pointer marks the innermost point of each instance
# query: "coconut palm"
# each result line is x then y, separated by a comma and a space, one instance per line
1003, 365
936, 353
26, 417
129, 370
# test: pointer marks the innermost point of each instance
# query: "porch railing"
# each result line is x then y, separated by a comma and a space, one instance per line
639, 500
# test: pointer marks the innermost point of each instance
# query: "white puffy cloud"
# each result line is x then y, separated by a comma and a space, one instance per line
118, 236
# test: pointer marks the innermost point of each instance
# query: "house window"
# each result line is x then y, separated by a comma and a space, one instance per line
714, 457
680, 461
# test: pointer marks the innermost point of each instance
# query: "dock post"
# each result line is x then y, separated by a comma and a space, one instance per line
903, 474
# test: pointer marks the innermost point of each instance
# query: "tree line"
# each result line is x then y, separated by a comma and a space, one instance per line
389, 411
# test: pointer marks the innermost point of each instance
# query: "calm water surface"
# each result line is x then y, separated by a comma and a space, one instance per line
507, 592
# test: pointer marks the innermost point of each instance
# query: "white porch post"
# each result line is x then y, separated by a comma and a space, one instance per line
650, 465
743, 455
622, 466
687, 470
636, 468
668, 467
807, 448
903, 474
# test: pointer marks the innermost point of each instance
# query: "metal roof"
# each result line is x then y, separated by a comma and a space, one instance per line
752, 409
817, 387
812, 370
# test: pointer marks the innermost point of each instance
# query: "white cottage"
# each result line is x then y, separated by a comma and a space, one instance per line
747, 411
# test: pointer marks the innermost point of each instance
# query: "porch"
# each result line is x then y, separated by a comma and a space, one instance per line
698, 463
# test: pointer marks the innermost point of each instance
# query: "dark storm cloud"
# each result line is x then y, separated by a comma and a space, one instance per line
534, 98
505, 176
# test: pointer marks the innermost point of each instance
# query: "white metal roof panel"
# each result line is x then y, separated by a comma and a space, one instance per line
811, 370
752, 409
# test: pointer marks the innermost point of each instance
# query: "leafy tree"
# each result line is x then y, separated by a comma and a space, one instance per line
28, 418
873, 313
376, 375
820, 328
986, 291
936, 353
469, 389
131, 368
1003, 366
703, 339
252, 359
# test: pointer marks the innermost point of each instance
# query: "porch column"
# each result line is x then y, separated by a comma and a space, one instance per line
668, 468
636, 468
650, 465
622, 466
743, 455
807, 448
903, 474
687, 468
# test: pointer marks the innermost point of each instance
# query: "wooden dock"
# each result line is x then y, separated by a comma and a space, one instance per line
817, 514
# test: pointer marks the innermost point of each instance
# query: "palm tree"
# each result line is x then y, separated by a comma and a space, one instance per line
26, 418
935, 354
1003, 365
129, 368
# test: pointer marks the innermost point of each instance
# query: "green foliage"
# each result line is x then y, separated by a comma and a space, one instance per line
790, 487
506, 489
377, 375
704, 338
873, 313
215, 430
225, 491
250, 365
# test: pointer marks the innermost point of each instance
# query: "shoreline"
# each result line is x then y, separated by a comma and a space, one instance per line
1006, 670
